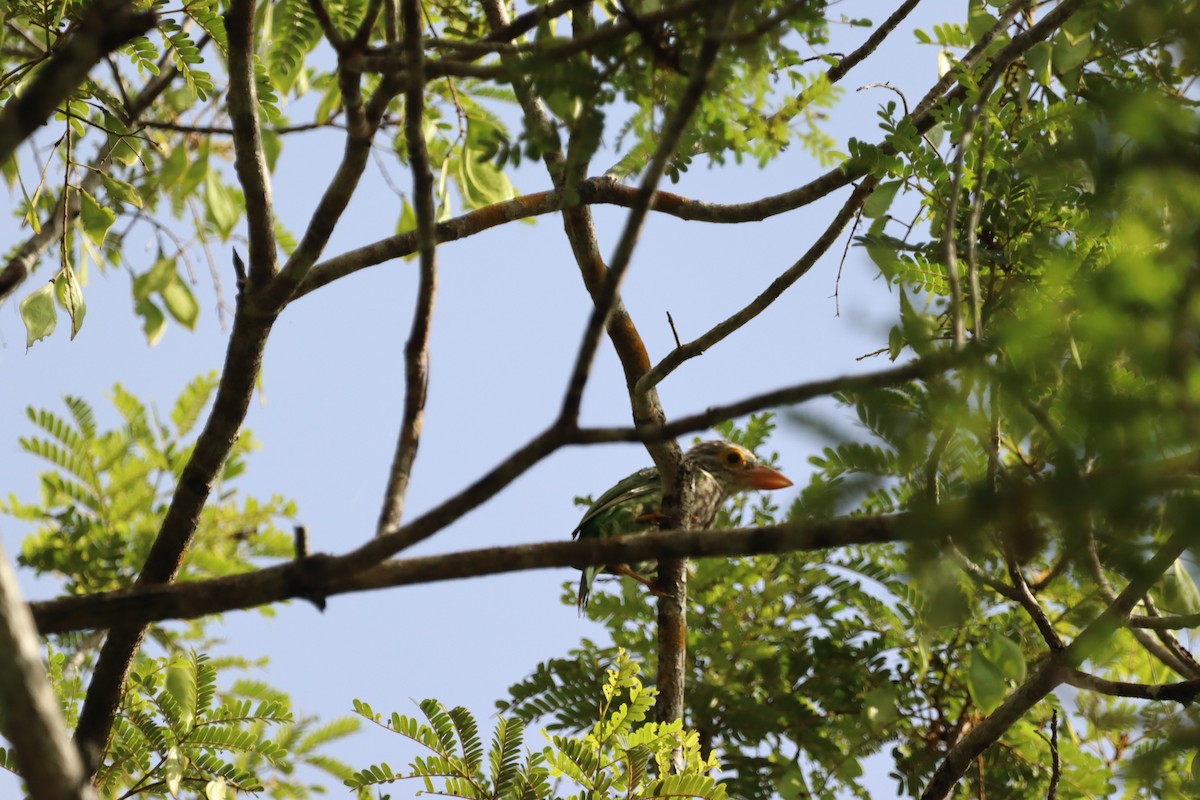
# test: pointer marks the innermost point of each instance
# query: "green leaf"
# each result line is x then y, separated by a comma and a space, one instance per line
222, 205
173, 167
408, 218
180, 684
181, 303
1179, 593
126, 149
39, 315
154, 324
154, 279
985, 681
196, 171
121, 191
1007, 656
71, 298
1038, 58
95, 218
482, 184
174, 770
880, 200
979, 21
1070, 54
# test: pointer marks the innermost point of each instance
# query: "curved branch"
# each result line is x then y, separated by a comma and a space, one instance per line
793, 273
416, 351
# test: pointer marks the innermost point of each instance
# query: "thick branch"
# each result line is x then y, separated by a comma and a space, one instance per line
105, 26
243, 361
298, 579
249, 162
31, 716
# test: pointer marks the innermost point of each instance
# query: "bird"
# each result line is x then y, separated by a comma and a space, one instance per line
720, 469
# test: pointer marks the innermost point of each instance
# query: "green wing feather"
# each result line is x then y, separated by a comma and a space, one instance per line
617, 511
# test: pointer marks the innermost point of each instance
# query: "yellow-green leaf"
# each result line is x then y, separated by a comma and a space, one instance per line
985, 681
39, 315
121, 191
181, 303
154, 324
222, 205
70, 295
1007, 656
125, 149
180, 684
1038, 58
880, 200
173, 767
95, 218
154, 279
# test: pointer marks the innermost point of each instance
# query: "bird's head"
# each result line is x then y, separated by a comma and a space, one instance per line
735, 466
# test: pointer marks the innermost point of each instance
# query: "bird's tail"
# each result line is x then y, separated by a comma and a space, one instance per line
586, 577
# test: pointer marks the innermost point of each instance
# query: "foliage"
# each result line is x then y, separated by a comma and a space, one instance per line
1037, 226
101, 505
103, 502
613, 758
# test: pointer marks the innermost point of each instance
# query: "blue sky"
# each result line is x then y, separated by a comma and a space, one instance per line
509, 317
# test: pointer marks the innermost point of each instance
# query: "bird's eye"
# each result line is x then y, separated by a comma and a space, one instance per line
733, 458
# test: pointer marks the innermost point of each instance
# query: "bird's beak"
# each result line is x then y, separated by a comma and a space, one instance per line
763, 477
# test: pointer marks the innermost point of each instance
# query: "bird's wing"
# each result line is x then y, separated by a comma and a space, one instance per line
639, 485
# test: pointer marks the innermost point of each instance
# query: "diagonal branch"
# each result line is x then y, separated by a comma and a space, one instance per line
105, 26
26, 256
243, 361
416, 352
1053, 671
32, 717
778, 286
1148, 642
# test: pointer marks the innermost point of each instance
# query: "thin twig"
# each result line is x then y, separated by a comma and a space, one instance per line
674, 332
416, 352
1055, 760
759, 304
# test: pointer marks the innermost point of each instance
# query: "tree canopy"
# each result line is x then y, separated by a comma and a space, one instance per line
985, 587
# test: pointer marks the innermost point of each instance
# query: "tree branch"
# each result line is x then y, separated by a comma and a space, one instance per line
249, 162
32, 717
416, 352
1052, 672
301, 578
723, 329
1183, 692
1145, 639
32, 249
105, 26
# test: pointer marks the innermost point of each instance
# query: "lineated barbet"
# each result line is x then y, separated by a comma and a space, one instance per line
719, 470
